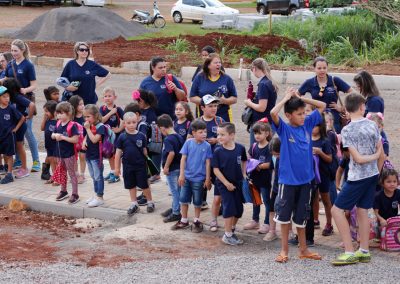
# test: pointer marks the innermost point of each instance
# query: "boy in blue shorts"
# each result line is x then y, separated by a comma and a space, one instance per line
361, 137
10, 121
229, 164
131, 146
194, 174
296, 168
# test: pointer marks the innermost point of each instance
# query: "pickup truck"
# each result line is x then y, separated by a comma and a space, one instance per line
285, 7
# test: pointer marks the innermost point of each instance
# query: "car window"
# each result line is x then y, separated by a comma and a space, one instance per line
197, 3
214, 3
187, 2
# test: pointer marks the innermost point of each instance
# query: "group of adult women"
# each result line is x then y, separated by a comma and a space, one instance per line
209, 78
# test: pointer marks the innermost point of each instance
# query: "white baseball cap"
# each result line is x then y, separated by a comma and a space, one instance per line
208, 99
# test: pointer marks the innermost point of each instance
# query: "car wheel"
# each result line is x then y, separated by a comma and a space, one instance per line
262, 10
177, 17
292, 11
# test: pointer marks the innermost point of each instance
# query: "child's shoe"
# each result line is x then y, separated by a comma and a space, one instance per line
113, 178
73, 199
180, 225
2, 170
252, 225
166, 213
90, 200
142, 200
345, 259
95, 203
107, 177
62, 195
363, 257
239, 241
151, 207
17, 165
264, 228
204, 206
317, 225
21, 173
197, 227
270, 236
35, 167
133, 209
45, 172
172, 218
231, 240
7, 179
213, 226
328, 230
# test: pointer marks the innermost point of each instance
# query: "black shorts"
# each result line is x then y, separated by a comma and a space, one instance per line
232, 201
272, 201
51, 152
324, 185
293, 204
20, 134
7, 145
135, 177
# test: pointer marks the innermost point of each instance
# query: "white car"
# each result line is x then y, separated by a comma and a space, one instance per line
195, 10
95, 3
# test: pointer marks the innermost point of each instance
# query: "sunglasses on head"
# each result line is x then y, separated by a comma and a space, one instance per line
83, 49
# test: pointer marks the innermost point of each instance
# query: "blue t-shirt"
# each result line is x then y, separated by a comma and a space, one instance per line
3, 74
387, 207
9, 118
86, 75
166, 101
197, 154
93, 151
21, 104
374, 104
65, 149
330, 92
296, 150
385, 143
132, 146
224, 86
148, 115
25, 72
49, 127
229, 162
261, 178
115, 119
265, 91
80, 120
275, 186
325, 146
172, 143
182, 128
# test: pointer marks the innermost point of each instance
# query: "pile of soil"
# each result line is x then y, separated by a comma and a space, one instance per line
79, 24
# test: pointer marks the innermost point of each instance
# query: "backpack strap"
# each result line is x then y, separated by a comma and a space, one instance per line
69, 127
187, 125
252, 149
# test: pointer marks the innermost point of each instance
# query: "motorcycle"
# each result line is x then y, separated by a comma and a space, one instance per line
145, 18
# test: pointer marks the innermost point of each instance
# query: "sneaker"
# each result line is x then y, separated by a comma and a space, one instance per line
7, 179
204, 205
363, 257
90, 200
141, 196
21, 173
113, 178
345, 259
2, 170
154, 179
167, 212
95, 202
17, 165
270, 236
180, 225
62, 195
107, 177
197, 227
142, 201
35, 167
239, 241
317, 225
294, 241
213, 226
230, 240
151, 207
73, 199
310, 243
81, 179
327, 231
264, 228
252, 225
172, 218
133, 209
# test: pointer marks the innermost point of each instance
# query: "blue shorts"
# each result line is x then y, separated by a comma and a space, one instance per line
293, 203
232, 201
192, 190
360, 193
135, 177
51, 152
7, 145
19, 135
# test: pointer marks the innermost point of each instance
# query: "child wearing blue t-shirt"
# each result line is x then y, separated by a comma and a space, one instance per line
229, 165
184, 117
194, 175
10, 121
48, 125
296, 168
95, 132
78, 105
131, 147
113, 117
171, 159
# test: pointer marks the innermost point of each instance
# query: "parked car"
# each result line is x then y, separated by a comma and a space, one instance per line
195, 10
285, 7
95, 3
28, 2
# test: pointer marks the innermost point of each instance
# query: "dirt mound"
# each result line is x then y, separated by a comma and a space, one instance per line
79, 24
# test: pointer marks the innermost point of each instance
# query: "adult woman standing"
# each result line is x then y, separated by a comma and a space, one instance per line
326, 88
367, 87
4, 59
84, 71
23, 71
214, 81
266, 94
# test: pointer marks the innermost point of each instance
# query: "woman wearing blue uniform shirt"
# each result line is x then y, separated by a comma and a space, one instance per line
326, 88
84, 71
366, 86
213, 81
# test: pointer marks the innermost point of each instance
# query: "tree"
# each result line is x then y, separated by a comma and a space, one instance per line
388, 9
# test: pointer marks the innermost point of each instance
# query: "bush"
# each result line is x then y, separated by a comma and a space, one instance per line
286, 57
179, 45
250, 51
386, 47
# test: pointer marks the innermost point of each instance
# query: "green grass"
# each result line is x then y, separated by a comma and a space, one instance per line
247, 4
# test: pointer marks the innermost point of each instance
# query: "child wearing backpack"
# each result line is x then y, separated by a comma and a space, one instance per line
67, 134
95, 131
113, 117
184, 117
78, 105
48, 125
171, 159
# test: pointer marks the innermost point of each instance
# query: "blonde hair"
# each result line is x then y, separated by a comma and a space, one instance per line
108, 89
23, 47
76, 47
261, 64
94, 110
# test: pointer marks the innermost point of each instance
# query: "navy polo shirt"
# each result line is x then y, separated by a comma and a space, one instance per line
329, 95
115, 119
21, 104
132, 146
93, 151
265, 91
65, 149
212, 126
86, 75
80, 120
172, 143
166, 101
325, 146
182, 128
261, 178
224, 86
387, 206
49, 128
25, 72
9, 118
374, 104
148, 115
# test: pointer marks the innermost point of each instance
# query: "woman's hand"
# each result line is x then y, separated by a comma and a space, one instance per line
171, 85
247, 102
71, 88
335, 106
23, 91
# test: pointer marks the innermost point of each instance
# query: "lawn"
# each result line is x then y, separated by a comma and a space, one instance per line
237, 5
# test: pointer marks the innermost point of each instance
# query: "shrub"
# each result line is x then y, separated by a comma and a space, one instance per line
179, 45
286, 57
386, 47
250, 51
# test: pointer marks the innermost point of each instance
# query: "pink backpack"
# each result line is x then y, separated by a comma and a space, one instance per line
390, 235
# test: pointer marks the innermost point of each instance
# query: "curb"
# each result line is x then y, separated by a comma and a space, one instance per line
75, 211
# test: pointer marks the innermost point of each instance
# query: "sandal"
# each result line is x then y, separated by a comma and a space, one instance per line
282, 258
313, 256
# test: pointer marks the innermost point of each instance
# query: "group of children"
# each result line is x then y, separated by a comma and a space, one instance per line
297, 162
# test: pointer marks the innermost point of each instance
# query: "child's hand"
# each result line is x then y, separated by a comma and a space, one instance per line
181, 180
230, 186
207, 184
212, 141
114, 110
115, 129
84, 146
383, 222
316, 151
59, 136
86, 125
166, 171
